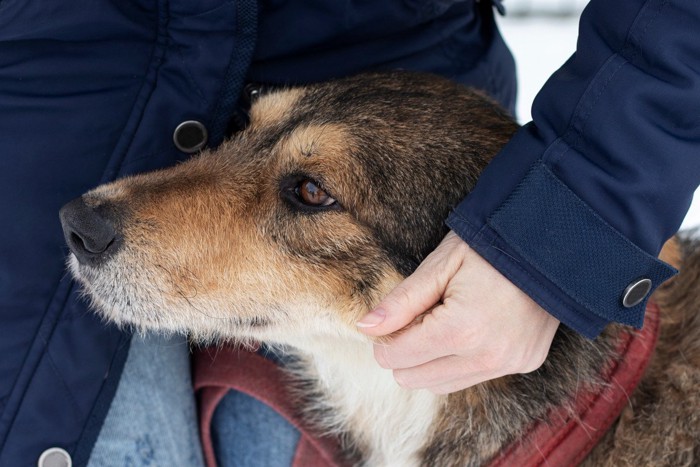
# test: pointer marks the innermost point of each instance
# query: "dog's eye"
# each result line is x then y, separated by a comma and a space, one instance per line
305, 194
311, 194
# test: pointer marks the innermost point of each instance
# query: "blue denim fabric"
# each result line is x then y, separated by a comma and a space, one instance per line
152, 420
248, 433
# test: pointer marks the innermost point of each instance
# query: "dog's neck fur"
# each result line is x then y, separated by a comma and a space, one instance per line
344, 392
348, 394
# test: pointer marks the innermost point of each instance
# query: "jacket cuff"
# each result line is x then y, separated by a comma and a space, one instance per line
552, 245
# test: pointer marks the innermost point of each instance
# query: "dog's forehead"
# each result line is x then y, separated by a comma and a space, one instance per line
296, 130
348, 100
274, 107
313, 139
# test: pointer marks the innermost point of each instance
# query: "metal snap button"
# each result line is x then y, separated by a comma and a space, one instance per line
636, 292
190, 136
55, 457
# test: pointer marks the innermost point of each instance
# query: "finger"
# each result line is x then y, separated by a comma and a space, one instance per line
426, 341
412, 297
417, 293
451, 372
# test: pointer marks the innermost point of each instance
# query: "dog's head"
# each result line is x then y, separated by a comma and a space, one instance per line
300, 223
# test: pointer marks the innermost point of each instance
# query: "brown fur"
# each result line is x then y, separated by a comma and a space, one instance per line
661, 424
218, 248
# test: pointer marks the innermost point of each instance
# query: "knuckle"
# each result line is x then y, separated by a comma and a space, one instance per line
455, 339
452, 341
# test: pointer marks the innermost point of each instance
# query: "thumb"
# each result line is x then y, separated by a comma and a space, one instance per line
417, 294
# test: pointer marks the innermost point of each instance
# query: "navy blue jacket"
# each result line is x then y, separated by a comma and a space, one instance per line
90, 91
578, 205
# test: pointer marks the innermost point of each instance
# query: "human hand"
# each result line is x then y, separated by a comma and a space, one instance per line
481, 327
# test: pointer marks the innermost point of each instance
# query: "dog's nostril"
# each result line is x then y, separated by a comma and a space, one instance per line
75, 239
89, 245
90, 237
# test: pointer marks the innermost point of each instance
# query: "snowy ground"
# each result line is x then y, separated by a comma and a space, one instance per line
542, 35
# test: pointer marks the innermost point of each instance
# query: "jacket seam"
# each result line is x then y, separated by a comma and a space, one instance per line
579, 119
190, 78
42, 342
526, 287
178, 50
84, 445
629, 53
159, 49
60, 378
160, 45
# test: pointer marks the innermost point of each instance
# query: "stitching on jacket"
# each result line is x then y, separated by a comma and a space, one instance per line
580, 121
188, 73
116, 161
112, 169
60, 378
41, 340
629, 51
570, 132
178, 50
458, 217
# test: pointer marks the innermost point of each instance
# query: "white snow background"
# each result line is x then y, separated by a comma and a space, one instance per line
542, 35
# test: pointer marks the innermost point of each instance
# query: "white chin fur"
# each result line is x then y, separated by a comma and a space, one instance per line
365, 399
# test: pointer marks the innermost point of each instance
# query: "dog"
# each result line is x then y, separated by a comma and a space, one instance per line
298, 225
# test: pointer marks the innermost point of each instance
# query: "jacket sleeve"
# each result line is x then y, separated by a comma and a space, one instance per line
575, 209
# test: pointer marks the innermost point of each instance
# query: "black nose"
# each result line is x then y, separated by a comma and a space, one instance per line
90, 235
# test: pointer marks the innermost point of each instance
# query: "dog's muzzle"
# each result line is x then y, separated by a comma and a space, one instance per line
91, 236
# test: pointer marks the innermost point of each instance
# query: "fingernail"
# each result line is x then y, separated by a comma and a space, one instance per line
372, 319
